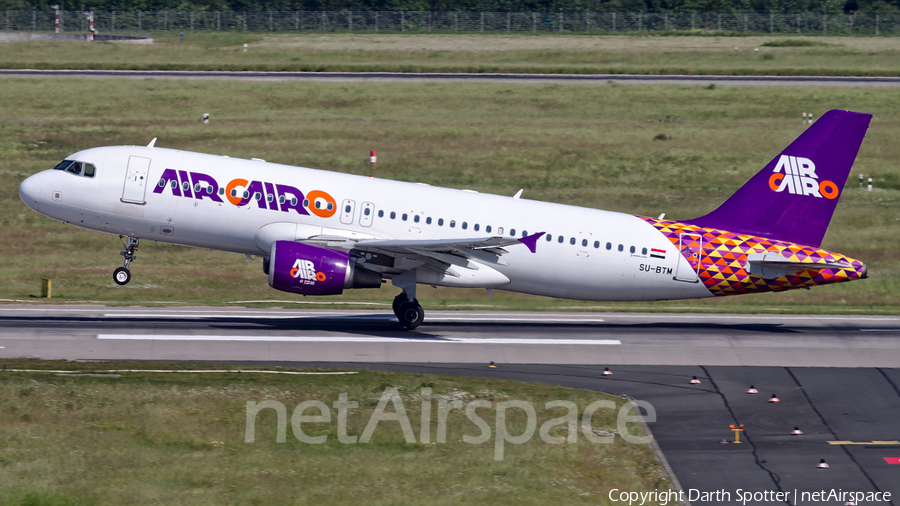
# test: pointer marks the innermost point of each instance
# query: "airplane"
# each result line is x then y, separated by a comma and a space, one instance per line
321, 232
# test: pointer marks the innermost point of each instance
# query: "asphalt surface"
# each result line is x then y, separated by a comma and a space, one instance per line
198, 333
460, 77
652, 357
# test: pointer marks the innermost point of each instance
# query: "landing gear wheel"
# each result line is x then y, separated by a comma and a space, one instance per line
121, 276
398, 300
410, 314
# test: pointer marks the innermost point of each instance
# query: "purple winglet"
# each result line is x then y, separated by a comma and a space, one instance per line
531, 241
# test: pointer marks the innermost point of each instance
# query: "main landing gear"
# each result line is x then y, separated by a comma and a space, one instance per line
122, 275
409, 312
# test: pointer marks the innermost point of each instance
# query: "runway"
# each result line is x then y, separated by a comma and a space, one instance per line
759, 80
846, 402
232, 334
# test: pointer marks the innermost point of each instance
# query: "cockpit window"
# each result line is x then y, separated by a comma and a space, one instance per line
77, 168
63, 165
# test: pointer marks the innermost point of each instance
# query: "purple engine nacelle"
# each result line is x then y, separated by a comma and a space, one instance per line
310, 270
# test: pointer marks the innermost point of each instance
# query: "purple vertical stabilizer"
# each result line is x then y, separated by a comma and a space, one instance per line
793, 197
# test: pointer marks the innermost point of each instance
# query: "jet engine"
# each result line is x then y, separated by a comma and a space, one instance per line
310, 270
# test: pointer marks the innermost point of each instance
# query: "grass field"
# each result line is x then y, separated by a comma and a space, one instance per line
473, 53
590, 145
179, 438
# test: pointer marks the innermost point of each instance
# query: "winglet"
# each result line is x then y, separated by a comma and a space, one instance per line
531, 241
152, 143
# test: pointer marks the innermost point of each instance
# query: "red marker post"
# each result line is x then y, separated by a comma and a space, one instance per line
372, 158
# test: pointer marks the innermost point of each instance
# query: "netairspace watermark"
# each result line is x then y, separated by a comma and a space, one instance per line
745, 497
501, 432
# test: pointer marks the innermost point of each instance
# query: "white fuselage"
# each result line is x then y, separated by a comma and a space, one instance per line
117, 201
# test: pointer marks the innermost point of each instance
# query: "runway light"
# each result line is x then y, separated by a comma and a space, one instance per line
796, 432
695, 381
752, 390
492, 366
607, 372
822, 464
774, 399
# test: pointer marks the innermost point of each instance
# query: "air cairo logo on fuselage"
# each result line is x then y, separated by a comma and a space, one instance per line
306, 270
240, 192
799, 178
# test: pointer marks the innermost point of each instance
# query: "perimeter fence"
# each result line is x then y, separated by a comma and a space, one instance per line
566, 22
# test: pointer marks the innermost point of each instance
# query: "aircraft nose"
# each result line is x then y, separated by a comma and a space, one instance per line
30, 191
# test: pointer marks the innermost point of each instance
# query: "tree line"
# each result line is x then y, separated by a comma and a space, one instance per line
778, 6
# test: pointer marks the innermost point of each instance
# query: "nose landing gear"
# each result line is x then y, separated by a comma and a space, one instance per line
122, 275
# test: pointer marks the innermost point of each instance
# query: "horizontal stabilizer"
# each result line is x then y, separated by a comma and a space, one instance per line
773, 265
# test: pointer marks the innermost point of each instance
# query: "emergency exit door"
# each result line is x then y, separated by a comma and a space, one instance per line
135, 180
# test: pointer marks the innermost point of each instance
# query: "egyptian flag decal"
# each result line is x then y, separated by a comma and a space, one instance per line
658, 253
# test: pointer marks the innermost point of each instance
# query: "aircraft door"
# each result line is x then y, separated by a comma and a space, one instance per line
690, 247
365, 216
347, 211
135, 180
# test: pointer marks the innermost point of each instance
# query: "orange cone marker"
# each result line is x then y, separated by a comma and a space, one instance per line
752, 390
822, 464
695, 381
774, 399
607, 372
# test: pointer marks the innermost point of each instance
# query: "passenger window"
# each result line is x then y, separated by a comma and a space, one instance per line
175, 185
416, 218
75, 168
293, 201
185, 186
584, 242
393, 215
233, 192
621, 248
330, 206
381, 213
257, 196
269, 197
440, 222
318, 205
475, 227
89, 170
404, 217
305, 202
596, 244
347, 209
465, 225
428, 220
197, 188
281, 200
209, 190
572, 241
561, 239
609, 245
452, 223
367, 211
500, 231
524, 233
222, 192
644, 251
631, 250
246, 193
487, 229
162, 182
512, 232
549, 237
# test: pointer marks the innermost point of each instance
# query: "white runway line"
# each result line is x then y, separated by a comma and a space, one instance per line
330, 339
385, 316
